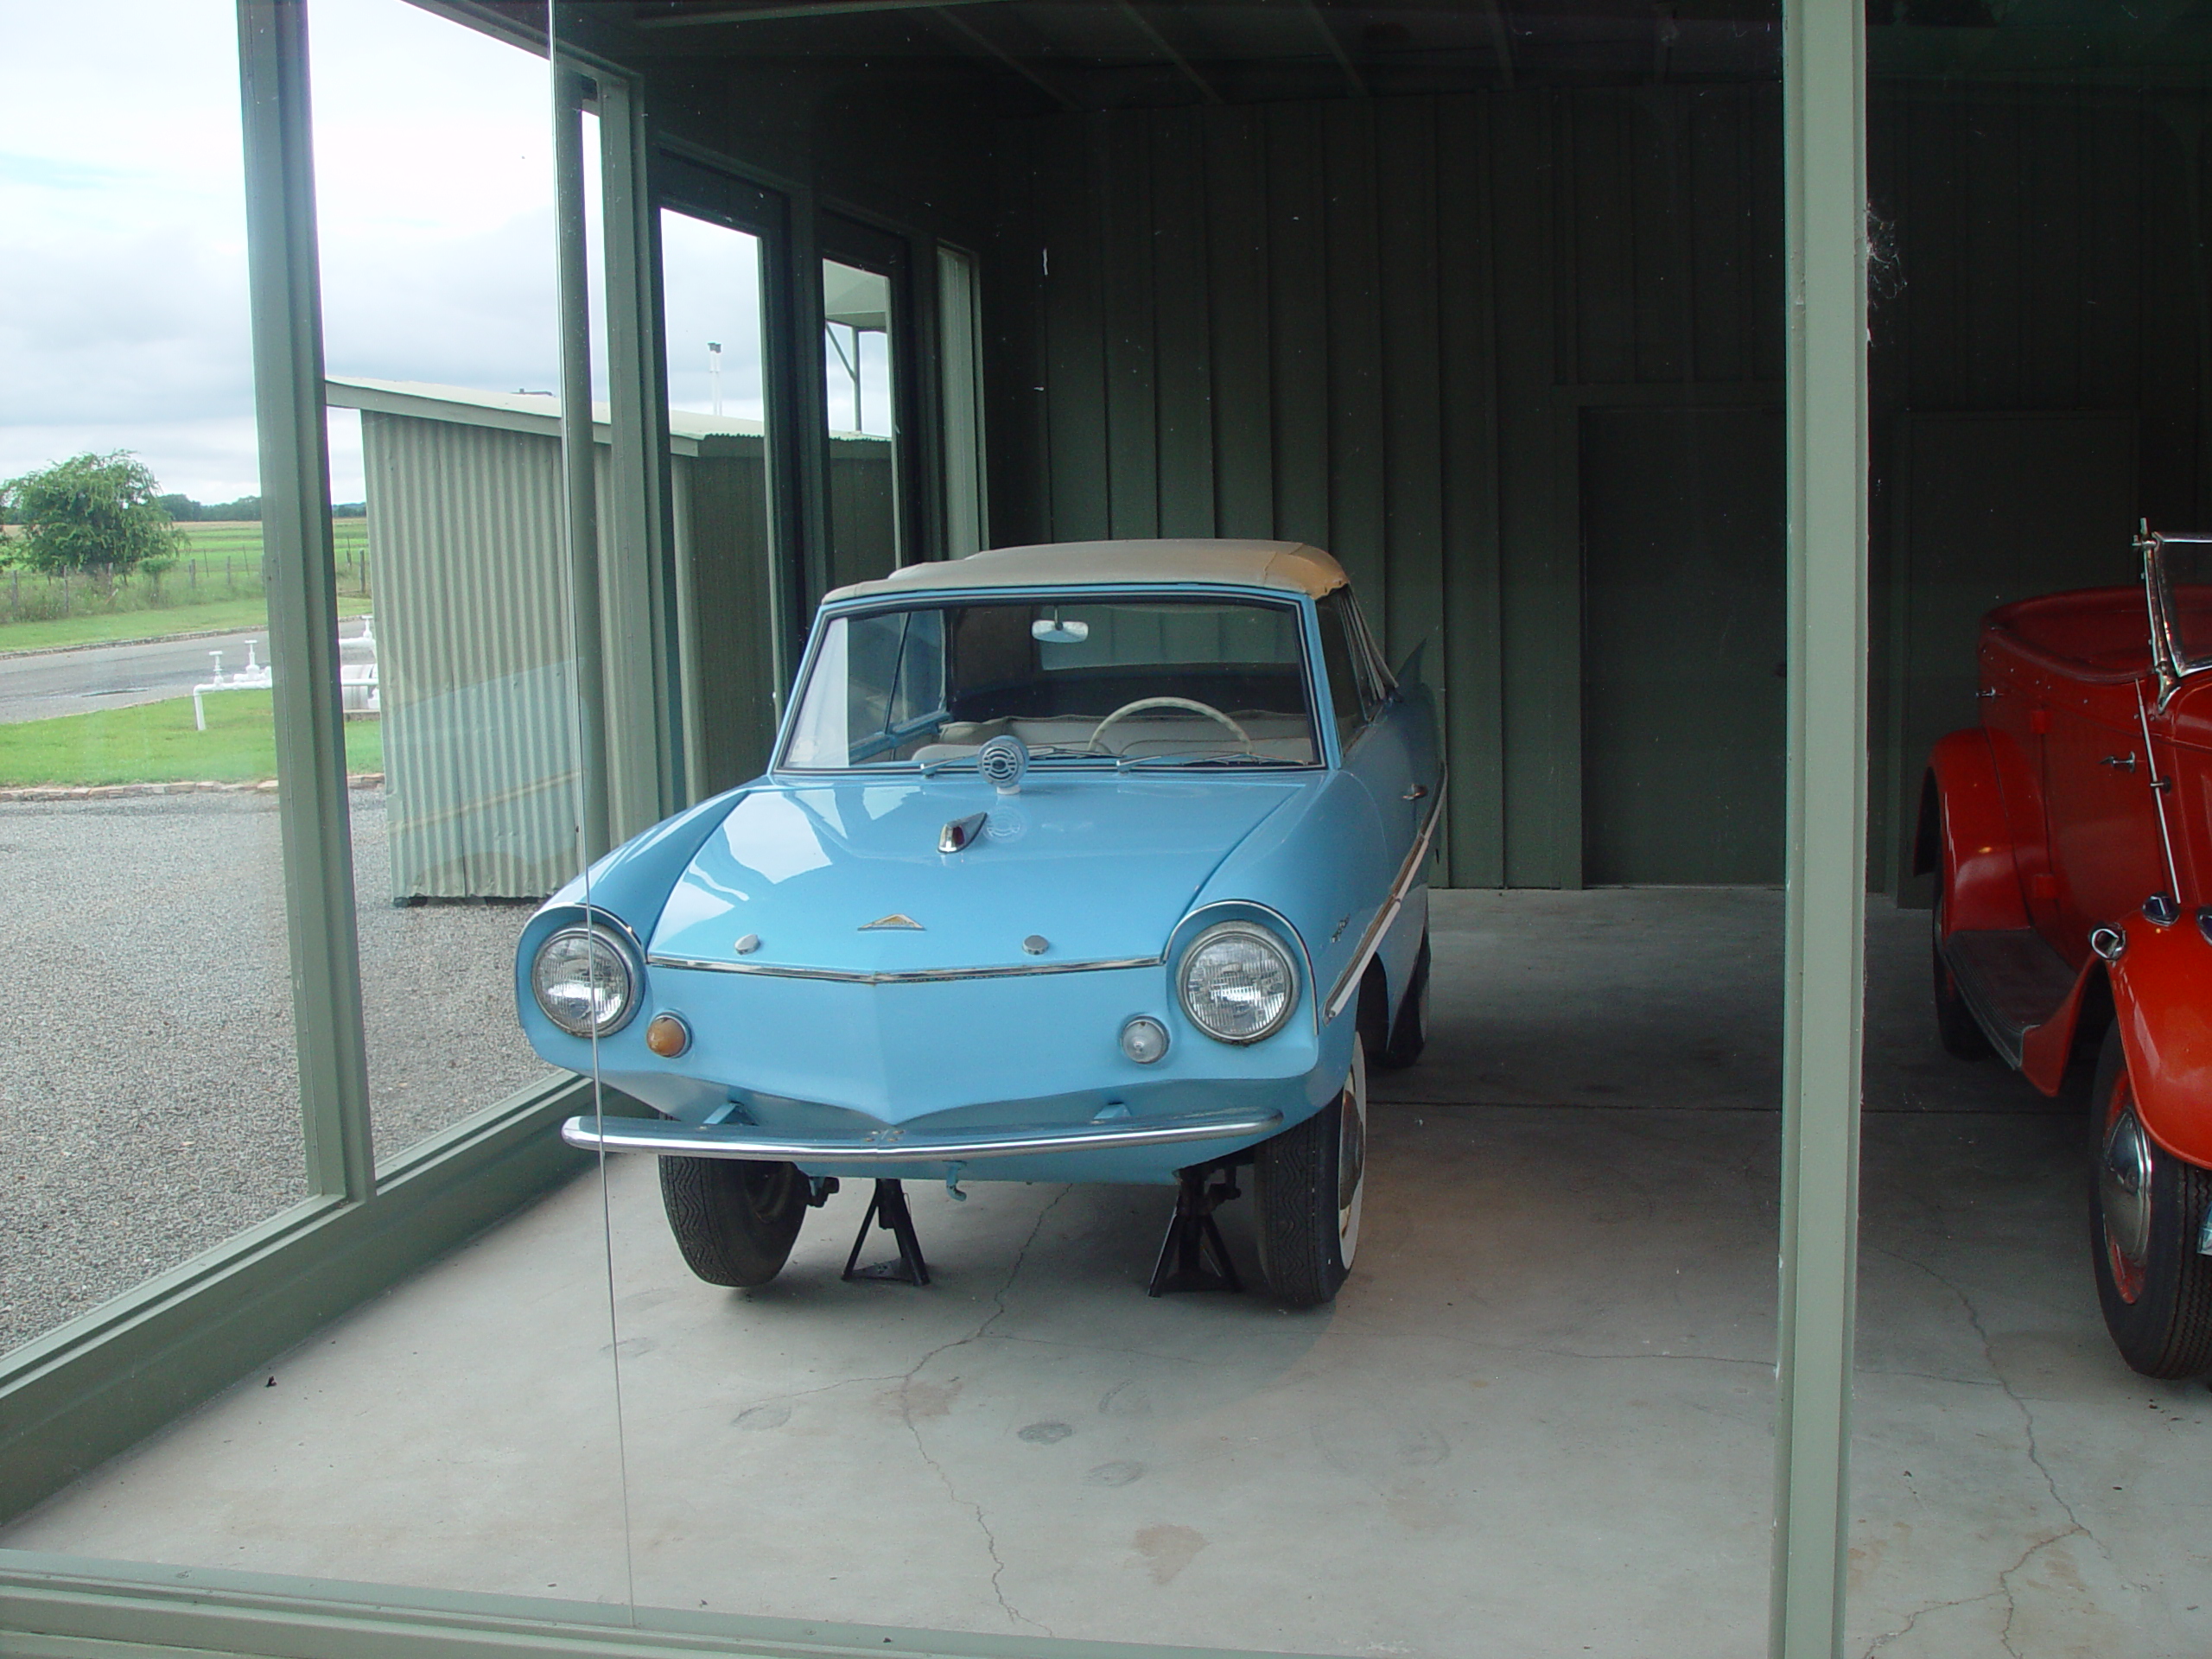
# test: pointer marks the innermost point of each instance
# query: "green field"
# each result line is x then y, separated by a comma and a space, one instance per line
214, 585
157, 743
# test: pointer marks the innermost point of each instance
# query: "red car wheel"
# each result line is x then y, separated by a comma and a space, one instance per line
2146, 1220
1955, 1022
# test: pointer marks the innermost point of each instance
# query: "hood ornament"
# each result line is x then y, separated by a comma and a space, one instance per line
895, 919
961, 831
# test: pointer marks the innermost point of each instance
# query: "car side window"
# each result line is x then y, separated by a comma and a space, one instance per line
1349, 693
1380, 681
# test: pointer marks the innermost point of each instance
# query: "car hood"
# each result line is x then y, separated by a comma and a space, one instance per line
847, 877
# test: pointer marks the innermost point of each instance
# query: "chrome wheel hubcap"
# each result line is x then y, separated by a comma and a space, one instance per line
2124, 1188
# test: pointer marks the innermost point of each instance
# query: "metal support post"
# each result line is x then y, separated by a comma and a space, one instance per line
579, 457
1825, 217
638, 518
285, 301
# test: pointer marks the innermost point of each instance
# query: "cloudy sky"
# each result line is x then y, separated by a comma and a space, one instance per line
123, 313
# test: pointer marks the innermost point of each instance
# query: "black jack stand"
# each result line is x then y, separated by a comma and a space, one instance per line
888, 1210
1194, 1236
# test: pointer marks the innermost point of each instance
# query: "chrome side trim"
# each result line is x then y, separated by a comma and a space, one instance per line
1347, 986
895, 1145
908, 976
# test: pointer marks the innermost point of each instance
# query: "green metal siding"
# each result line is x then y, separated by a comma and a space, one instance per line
1279, 320
477, 675
1377, 325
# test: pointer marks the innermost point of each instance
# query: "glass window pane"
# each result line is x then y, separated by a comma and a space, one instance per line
1080, 684
2034, 1314
960, 356
438, 283
858, 396
710, 283
146, 931
1340, 657
149, 1094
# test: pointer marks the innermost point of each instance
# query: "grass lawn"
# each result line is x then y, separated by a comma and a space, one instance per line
124, 625
156, 743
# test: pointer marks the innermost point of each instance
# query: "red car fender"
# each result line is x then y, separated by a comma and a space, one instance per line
2048, 1049
1968, 835
2162, 999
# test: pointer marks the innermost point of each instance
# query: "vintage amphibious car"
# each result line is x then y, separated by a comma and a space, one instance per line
1089, 862
2070, 836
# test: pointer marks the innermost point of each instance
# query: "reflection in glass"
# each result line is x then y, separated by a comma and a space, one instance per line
710, 286
857, 400
147, 932
149, 1095
436, 234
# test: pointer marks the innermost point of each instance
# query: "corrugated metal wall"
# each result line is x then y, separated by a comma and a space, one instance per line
1377, 325
722, 536
2048, 296
477, 673
1370, 324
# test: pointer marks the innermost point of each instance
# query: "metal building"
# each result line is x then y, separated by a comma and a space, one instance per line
479, 678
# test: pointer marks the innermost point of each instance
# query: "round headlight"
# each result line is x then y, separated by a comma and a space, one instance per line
1236, 982
581, 980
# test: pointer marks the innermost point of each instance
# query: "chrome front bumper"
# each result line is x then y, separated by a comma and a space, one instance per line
887, 1147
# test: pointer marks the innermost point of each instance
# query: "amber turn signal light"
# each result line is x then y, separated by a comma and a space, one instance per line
668, 1036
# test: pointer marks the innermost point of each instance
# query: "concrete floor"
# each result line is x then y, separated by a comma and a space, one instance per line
1536, 1422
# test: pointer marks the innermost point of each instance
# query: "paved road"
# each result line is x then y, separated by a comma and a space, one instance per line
45, 684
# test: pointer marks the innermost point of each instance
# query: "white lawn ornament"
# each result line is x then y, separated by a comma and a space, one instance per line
254, 676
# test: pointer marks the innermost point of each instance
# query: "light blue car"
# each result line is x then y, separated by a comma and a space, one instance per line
1091, 862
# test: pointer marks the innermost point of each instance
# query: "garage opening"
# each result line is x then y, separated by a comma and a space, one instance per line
1488, 301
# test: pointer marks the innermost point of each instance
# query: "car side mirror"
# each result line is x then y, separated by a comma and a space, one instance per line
1409, 672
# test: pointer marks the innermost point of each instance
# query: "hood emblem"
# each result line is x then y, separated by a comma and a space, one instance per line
895, 919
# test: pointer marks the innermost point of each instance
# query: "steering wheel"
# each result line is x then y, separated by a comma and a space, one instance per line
1191, 703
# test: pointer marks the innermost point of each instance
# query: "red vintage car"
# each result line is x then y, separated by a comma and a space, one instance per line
2070, 836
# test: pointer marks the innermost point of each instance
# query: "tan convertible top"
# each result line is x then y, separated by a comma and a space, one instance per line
1289, 567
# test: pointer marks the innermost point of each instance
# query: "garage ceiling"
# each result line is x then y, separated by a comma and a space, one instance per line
1031, 56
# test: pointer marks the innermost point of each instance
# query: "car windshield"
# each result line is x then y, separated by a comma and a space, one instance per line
1100, 682
2182, 576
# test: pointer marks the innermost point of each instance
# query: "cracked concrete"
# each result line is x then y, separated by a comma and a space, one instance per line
1537, 1421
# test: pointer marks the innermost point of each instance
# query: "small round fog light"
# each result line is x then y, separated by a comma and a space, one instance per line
667, 1035
1144, 1039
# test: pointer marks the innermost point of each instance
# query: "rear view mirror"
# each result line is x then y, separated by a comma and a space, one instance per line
1053, 632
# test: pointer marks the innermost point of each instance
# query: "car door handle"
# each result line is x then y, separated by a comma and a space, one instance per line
2122, 762
1415, 793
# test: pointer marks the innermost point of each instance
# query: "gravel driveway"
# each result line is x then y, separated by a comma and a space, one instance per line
149, 1097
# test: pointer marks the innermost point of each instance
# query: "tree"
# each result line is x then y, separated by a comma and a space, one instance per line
97, 514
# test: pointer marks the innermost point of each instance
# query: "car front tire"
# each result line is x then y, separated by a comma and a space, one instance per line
1308, 1187
734, 1219
2146, 1214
